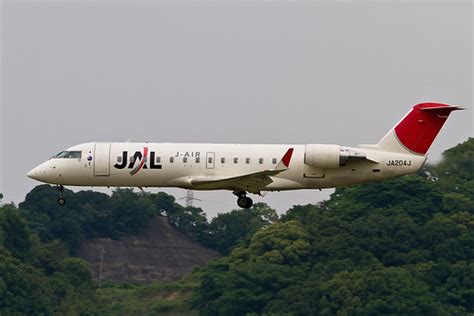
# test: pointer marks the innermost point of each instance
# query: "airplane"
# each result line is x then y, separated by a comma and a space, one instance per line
248, 168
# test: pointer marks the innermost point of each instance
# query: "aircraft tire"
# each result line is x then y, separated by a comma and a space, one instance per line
249, 202
244, 202
61, 201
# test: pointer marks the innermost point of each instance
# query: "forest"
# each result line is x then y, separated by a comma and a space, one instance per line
398, 247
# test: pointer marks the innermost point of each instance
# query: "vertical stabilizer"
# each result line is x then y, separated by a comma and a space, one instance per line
416, 132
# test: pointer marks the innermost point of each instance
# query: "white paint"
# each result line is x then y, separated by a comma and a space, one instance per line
192, 171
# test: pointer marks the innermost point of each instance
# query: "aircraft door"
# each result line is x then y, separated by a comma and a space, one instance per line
102, 159
210, 160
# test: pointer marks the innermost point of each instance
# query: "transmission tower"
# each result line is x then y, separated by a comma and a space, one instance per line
189, 198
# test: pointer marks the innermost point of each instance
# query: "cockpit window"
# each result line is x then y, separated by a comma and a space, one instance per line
74, 154
69, 154
60, 155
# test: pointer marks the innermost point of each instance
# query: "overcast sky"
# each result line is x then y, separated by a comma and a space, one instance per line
231, 71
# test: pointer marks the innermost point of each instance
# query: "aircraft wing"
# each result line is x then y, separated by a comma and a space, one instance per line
251, 182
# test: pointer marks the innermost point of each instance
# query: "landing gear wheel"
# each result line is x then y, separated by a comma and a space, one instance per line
244, 202
61, 201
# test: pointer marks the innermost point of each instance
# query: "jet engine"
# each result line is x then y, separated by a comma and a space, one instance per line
326, 156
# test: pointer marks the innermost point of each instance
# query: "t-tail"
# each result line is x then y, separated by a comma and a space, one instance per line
415, 133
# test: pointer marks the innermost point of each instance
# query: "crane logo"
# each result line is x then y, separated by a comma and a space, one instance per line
138, 161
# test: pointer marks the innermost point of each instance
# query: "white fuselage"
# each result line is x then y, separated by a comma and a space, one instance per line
176, 165
243, 168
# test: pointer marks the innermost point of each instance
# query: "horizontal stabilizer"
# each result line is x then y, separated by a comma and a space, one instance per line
449, 107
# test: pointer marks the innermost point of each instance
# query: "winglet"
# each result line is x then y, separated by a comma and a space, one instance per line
285, 160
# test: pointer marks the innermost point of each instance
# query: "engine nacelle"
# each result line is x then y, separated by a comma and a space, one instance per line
324, 156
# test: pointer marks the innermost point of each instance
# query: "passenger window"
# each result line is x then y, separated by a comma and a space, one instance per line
119, 159
171, 159
158, 159
274, 161
209, 160
247, 160
236, 160
185, 159
198, 160
222, 160
132, 160
260, 160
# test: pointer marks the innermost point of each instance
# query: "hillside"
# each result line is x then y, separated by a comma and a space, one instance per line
158, 253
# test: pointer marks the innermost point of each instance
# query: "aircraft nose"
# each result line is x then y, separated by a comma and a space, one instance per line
34, 173
43, 173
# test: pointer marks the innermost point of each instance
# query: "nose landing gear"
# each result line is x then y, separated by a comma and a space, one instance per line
61, 199
243, 200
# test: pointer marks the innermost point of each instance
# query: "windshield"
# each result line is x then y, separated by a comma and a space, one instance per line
69, 154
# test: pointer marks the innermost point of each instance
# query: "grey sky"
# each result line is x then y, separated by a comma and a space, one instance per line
239, 72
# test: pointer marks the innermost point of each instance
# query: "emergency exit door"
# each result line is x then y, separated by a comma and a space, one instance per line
102, 159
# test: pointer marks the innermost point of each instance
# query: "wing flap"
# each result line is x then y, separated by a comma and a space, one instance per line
251, 182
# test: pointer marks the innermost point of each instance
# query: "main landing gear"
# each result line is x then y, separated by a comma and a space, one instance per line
243, 200
61, 199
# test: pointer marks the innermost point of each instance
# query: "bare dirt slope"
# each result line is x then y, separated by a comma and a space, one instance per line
160, 253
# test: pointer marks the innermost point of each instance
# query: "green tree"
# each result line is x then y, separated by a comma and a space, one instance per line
281, 243
88, 214
448, 239
252, 275
229, 229
15, 232
191, 221
455, 175
77, 271
386, 291
24, 289
412, 195
37, 278
458, 162
389, 238
130, 211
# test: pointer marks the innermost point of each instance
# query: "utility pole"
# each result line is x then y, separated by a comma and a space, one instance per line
101, 257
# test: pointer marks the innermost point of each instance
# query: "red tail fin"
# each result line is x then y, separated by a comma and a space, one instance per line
419, 128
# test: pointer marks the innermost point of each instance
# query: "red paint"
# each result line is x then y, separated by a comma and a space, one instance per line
145, 154
419, 128
142, 163
287, 157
